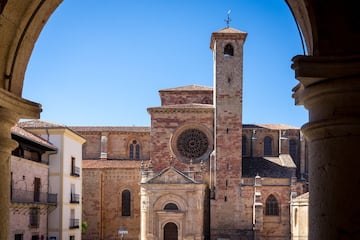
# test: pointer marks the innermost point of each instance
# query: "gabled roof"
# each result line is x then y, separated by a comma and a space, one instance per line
188, 88
170, 175
24, 134
272, 167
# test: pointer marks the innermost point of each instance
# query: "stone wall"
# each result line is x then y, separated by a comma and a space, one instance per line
103, 183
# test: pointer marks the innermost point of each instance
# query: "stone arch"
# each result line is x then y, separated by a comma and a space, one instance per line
22, 28
326, 34
162, 201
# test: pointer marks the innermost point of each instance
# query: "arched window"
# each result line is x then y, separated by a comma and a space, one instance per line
171, 207
271, 206
134, 150
292, 148
126, 203
228, 50
244, 140
267, 146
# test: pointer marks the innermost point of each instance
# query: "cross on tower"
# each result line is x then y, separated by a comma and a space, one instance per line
228, 19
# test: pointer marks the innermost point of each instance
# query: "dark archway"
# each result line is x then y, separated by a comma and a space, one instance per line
170, 231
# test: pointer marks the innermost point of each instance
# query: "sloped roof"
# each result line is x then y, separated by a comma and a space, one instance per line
110, 128
229, 30
40, 124
170, 175
24, 134
188, 88
273, 167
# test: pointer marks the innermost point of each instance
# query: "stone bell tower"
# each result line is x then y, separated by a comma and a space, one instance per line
227, 47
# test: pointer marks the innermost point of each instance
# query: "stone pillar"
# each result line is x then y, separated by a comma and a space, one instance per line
7, 120
330, 89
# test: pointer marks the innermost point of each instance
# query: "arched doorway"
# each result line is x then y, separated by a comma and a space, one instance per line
170, 231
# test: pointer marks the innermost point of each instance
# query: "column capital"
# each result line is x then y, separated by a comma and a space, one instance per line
313, 69
22, 107
7, 120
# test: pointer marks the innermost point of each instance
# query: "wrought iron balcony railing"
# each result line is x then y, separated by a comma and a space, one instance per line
74, 198
75, 171
74, 223
23, 196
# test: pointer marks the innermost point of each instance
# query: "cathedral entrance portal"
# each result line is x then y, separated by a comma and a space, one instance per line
170, 231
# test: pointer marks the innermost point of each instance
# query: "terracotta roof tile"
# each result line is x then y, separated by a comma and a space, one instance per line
32, 137
39, 124
109, 129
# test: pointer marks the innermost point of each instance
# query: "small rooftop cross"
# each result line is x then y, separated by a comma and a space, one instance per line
228, 19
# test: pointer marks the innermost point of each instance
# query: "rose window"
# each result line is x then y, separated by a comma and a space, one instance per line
192, 143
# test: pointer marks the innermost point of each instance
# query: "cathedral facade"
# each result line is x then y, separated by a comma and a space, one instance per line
197, 172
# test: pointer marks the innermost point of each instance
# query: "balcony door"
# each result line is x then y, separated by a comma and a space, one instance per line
37, 185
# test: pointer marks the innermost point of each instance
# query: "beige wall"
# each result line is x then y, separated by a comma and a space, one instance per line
23, 173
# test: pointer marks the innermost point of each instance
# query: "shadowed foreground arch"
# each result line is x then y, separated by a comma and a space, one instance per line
329, 87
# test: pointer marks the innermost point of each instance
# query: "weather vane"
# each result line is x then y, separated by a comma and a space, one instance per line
228, 19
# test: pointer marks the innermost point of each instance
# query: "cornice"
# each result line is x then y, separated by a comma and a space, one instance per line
179, 109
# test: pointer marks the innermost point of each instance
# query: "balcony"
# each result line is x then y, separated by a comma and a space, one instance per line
75, 171
74, 198
74, 223
23, 196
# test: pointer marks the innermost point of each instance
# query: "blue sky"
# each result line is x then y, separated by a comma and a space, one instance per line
102, 63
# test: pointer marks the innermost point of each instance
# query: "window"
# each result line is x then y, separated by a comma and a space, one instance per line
74, 198
292, 148
74, 222
34, 217
72, 237
171, 207
228, 50
75, 171
134, 151
125, 203
271, 206
267, 146
244, 145
19, 237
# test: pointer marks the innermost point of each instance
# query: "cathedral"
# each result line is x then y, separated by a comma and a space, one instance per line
197, 172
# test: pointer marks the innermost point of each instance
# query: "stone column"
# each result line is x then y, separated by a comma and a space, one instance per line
7, 120
330, 89
12, 108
